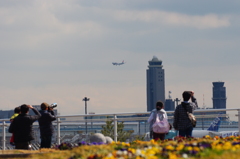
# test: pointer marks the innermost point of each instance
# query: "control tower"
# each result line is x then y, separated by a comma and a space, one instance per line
155, 83
219, 95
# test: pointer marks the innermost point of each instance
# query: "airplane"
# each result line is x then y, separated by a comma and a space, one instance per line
214, 126
115, 63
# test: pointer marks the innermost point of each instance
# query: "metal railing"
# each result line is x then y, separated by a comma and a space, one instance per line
114, 117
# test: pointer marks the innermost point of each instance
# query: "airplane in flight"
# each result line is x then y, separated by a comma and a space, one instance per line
118, 64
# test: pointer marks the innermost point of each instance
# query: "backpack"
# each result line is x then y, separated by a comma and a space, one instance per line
191, 117
161, 127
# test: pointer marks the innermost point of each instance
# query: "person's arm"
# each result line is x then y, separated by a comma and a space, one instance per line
166, 115
34, 117
194, 101
51, 116
151, 117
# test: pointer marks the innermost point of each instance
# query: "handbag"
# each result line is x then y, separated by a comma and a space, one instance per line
191, 117
161, 127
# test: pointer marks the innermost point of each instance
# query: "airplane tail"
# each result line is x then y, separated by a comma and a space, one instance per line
215, 124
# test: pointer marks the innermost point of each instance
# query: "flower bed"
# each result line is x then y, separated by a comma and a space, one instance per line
207, 148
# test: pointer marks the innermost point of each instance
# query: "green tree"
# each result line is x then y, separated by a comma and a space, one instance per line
108, 130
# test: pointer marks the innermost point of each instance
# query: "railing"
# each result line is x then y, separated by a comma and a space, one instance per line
114, 117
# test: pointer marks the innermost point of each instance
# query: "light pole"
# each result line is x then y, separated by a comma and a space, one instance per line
86, 99
177, 100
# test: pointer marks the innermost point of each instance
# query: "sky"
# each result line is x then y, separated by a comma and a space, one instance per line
62, 51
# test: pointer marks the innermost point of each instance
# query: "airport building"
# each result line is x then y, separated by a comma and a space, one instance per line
155, 83
219, 95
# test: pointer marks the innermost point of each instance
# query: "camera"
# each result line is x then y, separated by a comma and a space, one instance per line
53, 105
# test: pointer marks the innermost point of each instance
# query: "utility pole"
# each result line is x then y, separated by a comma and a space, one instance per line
85, 99
177, 100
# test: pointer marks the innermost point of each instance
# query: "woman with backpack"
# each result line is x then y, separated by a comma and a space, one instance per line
159, 125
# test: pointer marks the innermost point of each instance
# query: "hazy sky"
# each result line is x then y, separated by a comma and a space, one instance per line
62, 50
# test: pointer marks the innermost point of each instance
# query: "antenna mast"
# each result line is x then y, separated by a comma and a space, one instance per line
204, 107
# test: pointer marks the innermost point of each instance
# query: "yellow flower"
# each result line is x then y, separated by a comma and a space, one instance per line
152, 141
150, 152
152, 157
196, 149
143, 152
227, 145
189, 148
132, 150
180, 147
172, 156
237, 146
233, 149
169, 147
218, 147
138, 157
208, 137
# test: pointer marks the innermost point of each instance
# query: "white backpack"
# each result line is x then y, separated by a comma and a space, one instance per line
161, 127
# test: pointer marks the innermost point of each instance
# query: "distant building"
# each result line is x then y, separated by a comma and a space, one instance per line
169, 105
219, 95
6, 114
155, 83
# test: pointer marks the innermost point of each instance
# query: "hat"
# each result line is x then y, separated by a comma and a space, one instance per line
44, 106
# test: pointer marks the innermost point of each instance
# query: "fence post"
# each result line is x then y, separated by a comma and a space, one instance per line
238, 121
3, 136
58, 131
115, 128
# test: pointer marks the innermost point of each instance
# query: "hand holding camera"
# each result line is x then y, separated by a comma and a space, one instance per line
50, 108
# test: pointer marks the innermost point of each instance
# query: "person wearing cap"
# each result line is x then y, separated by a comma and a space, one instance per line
181, 121
45, 124
22, 127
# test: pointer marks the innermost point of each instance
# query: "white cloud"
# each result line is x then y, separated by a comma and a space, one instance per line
174, 19
60, 51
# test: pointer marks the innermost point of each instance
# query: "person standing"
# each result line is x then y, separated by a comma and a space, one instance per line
152, 118
22, 128
45, 124
16, 113
181, 122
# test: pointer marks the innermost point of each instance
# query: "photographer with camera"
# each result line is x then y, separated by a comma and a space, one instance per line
45, 124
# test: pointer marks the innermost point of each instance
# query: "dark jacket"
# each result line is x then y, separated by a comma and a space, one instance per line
45, 122
181, 120
22, 126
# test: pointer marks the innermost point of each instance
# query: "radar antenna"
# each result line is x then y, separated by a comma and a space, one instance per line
169, 95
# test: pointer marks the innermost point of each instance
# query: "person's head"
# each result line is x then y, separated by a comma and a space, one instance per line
24, 109
186, 95
44, 106
17, 110
159, 105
